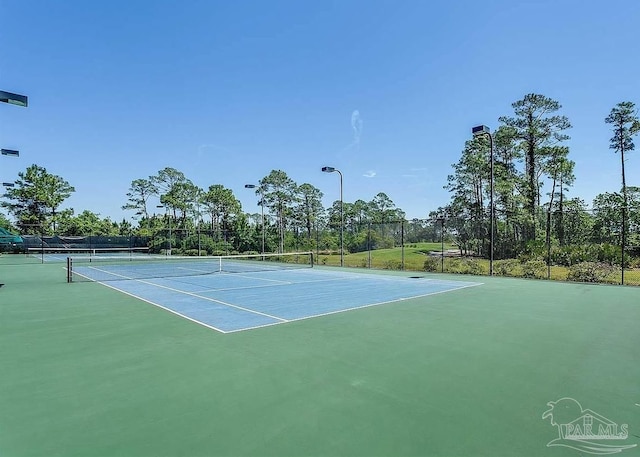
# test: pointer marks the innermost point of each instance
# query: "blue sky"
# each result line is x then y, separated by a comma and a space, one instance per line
385, 91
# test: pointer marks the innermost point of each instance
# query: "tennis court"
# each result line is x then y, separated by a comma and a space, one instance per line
445, 365
246, 299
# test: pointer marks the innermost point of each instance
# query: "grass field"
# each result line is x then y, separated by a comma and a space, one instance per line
414, 258
89, 371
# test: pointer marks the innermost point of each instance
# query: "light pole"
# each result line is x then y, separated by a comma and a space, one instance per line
441, 220
477, 131
12, 99
198, 216
253, 186
332, 170
166, 209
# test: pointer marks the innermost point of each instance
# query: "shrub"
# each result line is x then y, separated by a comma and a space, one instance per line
569, 255
534, 249
534, 269
524, 258
392, 265
506, 267
590, 272
573, 254
465, 266
474, 267
194, 252
432, 264
610, 254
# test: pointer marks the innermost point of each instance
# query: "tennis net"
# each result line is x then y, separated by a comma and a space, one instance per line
60, 254
109, 268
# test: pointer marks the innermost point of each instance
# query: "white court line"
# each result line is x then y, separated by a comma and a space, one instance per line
204, 272
155, 304
165, 308
286, 283
187, 293
357, 307
242, 275
281, 320
213, 274
280, 283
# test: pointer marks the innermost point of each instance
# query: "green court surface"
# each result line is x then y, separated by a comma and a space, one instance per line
89, 371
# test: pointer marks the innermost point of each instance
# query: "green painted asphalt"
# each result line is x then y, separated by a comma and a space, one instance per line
88, 371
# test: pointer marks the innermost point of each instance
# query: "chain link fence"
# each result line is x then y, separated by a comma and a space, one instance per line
580, 245
569, 246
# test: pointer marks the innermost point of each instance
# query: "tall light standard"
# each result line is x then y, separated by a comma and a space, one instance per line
166, 210
441, 220
198, 215
12, 99
332, 170
253, 186
477, 131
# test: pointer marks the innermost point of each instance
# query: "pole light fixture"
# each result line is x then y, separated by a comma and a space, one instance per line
477, 131
8, 184
253, 186
335, 170
480, 129
13, 99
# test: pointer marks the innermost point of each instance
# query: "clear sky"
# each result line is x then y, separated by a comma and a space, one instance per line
226, 91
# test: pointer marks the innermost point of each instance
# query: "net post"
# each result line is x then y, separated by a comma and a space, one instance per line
69, 274
311, 256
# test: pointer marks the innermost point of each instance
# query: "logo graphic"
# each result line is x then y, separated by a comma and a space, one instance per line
583, 429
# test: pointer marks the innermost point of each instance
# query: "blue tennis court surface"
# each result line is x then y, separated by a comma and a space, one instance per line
242, 301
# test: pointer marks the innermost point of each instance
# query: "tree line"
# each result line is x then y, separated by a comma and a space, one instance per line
532, 172
292, 217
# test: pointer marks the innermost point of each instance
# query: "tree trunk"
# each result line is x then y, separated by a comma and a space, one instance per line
624, 209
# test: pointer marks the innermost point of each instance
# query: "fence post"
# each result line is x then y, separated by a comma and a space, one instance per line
442, 245
369, 242
548, 241
402, 242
